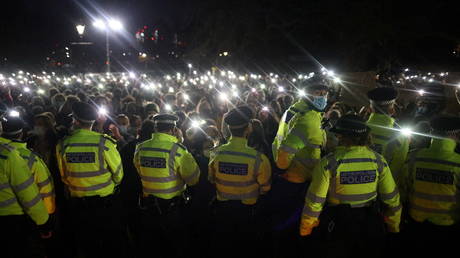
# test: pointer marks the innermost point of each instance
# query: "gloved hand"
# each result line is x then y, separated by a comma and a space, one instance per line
306, 228
46, 230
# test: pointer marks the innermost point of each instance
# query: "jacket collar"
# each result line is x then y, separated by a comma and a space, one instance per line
381, 119
445, 145
164, 137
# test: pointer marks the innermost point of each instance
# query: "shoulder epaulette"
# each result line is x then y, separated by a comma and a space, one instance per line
109, 138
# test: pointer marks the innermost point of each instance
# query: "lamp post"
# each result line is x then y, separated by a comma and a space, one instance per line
107, 26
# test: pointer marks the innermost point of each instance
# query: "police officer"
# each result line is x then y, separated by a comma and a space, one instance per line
349, 181
386, 139
91, 169
432, 177
21, 206
13, 131
297, 145
241, 175
166, 168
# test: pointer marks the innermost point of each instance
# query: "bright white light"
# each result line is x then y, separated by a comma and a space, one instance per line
265, 109
430, 80
80, 29
100, 86
100, 24
262, 86
144, 55
190, 65
168, 77
186, 97
421, 92
168, 107
102, 111
14, 113
406, 131
337, 80
235, 93
330, 73
171, 90
253, 90
281, 89
442, 74
198, 123
406, 70
223, 96
301, 93
115, 24
26, 89
40, 91
273, 80
132, 75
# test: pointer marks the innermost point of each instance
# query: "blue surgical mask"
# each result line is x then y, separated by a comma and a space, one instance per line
320, 102
123, 129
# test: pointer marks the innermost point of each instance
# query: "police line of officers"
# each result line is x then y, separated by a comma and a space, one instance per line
353, 190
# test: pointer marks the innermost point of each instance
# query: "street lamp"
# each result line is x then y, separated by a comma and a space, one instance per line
107, 26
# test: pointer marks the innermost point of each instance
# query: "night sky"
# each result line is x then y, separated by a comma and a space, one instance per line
354, 35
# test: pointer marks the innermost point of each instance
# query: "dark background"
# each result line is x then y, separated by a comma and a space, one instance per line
258, 34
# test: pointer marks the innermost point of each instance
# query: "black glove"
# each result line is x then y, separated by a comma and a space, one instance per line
46, 230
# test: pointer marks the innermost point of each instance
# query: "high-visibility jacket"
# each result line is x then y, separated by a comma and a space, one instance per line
42, 176
352, 175
165, 166
388, 142
432, 180
239, 172
18, 192
297, 146
89, 163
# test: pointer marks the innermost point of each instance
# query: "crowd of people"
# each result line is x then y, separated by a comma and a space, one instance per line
222, 164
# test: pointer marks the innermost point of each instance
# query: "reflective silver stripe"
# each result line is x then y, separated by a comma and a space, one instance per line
91, 188
157, 150
389, 196
332, 165
87, 173
164, 191
7, 202
4, 186
380, 163
86, 145
355, 197
307, 211
361, 205
392, 210
31, 160
304, 139
438, 161
158, 179
436, 197
306, 162
24, 185
31, 203
231, 196
357, 160
102, 168
233, 183
288, 149
381, 137
172, 159
117, 171
43, 183
234, 153
190, 178
429, 210
45, 195
315, 198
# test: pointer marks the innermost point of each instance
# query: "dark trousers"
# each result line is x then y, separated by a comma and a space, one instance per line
97, 225
20, 239
163, 231
431, 239
349, 232
235, 229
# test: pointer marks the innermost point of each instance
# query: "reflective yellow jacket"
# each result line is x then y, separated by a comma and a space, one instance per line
18, 192
42, 176
432, 180
356, 176
297, 146
165, 166
389, 143
239, 172
89, 163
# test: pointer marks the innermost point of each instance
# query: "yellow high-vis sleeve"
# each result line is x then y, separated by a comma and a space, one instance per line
265, 175
188, 169
389, 194
45, 184
60, 161
113, 160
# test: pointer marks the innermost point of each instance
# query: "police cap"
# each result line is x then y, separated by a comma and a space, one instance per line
351, 125
165, 119
382, 96
239, 117
84, 112
446, 125
12, 125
